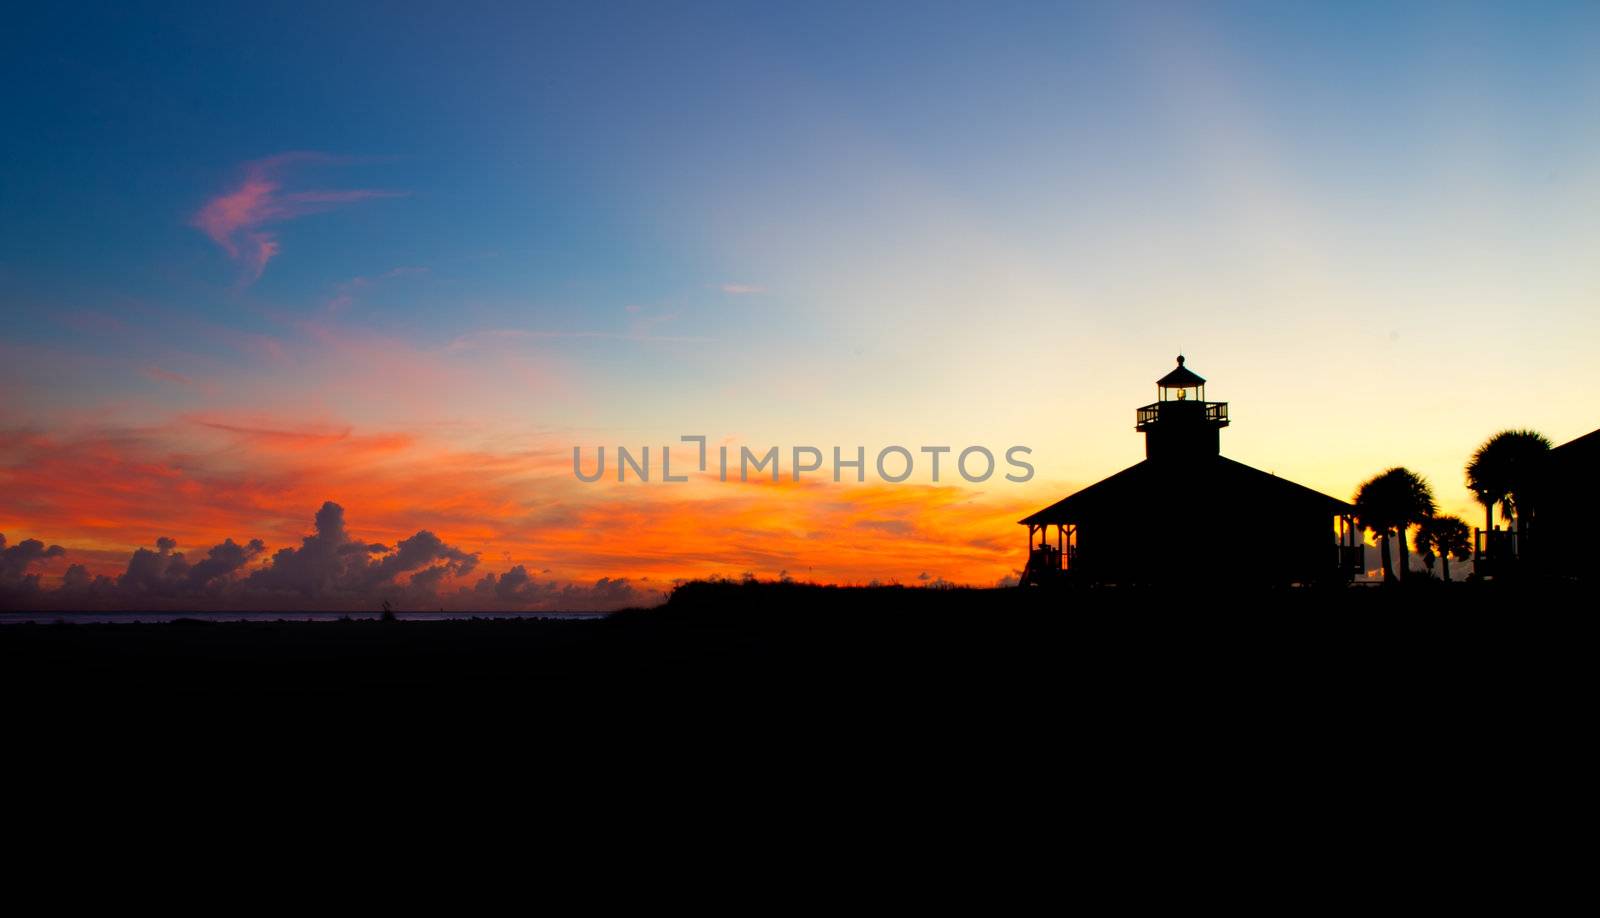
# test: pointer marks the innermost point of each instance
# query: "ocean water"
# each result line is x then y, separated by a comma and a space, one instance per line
130, 618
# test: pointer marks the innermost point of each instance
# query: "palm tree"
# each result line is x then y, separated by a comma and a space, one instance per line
1374, 513
1417, 505
1444, 536
1505, 470
1388, 503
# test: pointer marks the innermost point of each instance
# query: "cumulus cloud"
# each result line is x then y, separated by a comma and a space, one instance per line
165, 573
427, 552
512, 585
223, 560
517, 588
15, 577
77, 580
330, 565
237, 220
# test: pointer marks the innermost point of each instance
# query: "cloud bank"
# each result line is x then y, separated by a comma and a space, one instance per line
329, 570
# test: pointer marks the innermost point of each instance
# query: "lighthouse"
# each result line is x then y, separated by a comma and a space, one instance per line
1189, 515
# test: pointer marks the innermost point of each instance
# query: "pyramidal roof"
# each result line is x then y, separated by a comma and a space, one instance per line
1151, 484
1181, 378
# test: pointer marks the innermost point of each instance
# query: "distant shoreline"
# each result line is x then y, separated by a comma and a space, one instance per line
148, 617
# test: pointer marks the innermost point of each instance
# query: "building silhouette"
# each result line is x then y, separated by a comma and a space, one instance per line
1188, 514
1569, 503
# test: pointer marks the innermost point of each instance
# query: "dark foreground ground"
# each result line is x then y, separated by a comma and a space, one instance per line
1059, 729
744, 648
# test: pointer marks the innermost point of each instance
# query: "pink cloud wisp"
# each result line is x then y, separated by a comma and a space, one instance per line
235, 220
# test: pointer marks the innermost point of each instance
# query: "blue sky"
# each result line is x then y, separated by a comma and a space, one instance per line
1371, 224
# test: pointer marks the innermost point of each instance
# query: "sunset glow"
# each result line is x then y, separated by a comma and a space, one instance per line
405, 263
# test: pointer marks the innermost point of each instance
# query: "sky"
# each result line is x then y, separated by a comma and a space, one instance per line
402, 258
